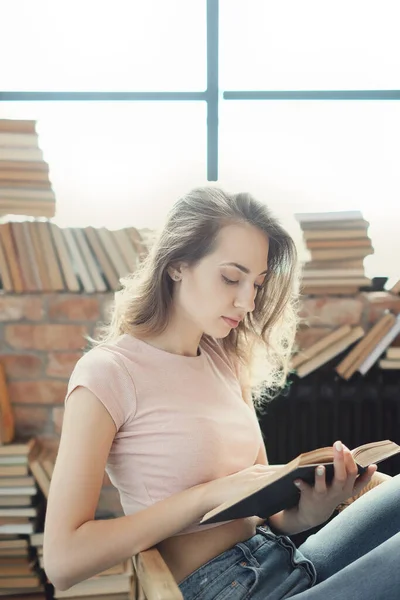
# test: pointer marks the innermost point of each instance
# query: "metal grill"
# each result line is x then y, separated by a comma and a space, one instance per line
322, 408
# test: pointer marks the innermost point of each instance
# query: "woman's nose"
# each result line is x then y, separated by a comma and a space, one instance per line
245, 299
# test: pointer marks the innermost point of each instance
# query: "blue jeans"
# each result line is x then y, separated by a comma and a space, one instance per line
355, 556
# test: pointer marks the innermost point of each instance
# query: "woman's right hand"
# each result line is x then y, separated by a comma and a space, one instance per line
230, 487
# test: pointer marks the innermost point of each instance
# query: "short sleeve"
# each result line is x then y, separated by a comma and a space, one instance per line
101, 372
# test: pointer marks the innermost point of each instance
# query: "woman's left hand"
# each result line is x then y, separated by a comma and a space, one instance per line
318, 502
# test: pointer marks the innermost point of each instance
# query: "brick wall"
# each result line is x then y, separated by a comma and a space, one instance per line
42, 337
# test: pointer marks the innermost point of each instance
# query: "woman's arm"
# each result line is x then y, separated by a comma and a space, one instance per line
76, 546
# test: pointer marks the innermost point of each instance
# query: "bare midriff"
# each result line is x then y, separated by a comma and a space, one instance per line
184, 554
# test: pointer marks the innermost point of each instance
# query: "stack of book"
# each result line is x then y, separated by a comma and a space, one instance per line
42, 257
371, 347
338, 243
365, 349
25, 187
117, 582
21, 511
327, 348
391, 360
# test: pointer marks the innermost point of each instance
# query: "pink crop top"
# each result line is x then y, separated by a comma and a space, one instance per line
180, 420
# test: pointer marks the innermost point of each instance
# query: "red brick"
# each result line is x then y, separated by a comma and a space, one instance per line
37, 392
74, 308
60, 364
30, 420
307, 336
22, 365
58, 416
331, 311
46, 337
17, 308
378, 302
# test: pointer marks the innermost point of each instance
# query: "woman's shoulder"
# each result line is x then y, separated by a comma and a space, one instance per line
103, 372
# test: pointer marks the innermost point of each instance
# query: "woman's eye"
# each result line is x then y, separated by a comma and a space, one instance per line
228, 281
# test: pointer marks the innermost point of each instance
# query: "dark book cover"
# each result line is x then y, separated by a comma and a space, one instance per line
279, 495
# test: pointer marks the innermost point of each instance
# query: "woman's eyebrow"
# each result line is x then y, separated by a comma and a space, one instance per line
241, 267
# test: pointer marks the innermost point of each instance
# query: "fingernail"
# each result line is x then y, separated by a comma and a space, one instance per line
320, 470
338, 446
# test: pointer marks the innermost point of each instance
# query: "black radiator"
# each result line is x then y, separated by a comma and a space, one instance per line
321, 408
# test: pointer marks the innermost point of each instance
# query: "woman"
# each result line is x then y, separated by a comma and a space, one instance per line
164, 402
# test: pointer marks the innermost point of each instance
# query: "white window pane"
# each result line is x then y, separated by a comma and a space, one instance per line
319, 156
112, 164
309, 45
93, 45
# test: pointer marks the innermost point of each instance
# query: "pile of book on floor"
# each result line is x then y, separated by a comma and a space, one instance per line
115, 583
39, 256
365, 348
21, 513
25, 187
338, 243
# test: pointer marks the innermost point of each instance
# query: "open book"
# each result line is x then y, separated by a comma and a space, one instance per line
277, 491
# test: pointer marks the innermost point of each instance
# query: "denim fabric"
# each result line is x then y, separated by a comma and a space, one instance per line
264, 566
356, 555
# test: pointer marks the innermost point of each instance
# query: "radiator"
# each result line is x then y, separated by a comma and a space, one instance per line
321, 408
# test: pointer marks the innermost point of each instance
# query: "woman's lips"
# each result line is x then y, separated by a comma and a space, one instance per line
231, 322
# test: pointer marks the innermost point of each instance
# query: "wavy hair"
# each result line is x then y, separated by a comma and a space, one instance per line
261, 345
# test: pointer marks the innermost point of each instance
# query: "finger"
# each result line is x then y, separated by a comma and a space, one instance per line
301, 485
364, 479
320, 480
351, 465
351, 469
340, 472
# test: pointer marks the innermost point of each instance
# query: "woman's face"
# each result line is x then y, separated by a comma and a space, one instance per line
213, 289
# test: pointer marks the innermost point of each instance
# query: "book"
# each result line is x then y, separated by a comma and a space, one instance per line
7, 423
393, 353
330, 352
21, 154
389, 364
19, 448
334, 234
19, 140
345, 215
335, 282
357, 243
61, 250
277, 491
327, 265
333, 254
17, 126
310, 290
329, 339
109, 273
24, 165
333, 273
380, 347
335, 225
353, 360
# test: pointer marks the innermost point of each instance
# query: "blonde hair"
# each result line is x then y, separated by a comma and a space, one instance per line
262, 343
